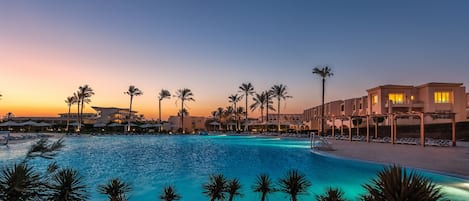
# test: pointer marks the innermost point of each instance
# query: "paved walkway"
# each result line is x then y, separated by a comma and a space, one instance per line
452, 160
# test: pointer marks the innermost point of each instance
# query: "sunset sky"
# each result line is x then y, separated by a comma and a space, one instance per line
49, 48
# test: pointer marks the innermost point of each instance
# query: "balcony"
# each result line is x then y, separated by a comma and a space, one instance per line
415, 104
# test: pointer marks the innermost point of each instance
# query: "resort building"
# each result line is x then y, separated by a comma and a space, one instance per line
430, 98
105, 115
191, 124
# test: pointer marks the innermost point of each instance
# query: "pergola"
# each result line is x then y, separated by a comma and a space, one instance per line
393, 118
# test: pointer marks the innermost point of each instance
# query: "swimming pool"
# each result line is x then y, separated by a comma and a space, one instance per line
150, 162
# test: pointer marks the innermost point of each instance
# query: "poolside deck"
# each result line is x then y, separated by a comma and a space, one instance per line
452, 160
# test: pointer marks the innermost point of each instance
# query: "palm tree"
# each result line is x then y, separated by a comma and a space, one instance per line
264, 186
77, 97
216, 187
70, 101
331, 194
19, 182
219, 113
169, 194
184, 94
294, 183
232, 188
324, 72
132, 91
234, 99
247, 89
393, 183
164, 94
259, 101
67, 184
280, 92
115, 189
227, 115
85, 92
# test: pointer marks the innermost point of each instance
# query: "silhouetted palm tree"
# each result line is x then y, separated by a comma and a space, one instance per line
393, 183
232, 188
68, 185
263, 185
44, 149
324, 72
234, 99
132, 91
280, 92
219, 115
78, 98
70, 101
115, 190
85, 92
184, 94
228, 114
331, 194
247, 89
216, 187
294, 184
164, 94
19, 182
169, 194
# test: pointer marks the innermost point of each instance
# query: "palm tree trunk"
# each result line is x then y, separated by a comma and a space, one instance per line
262, 115
263, 196
81, 110
159, 113
236, 115
267, 114
68, 117
278, 116
130, 113
246, 118
182, 116
78, 116
322, 108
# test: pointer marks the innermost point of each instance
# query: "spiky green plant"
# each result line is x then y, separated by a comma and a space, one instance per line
232, 188
331, 194
67, 185
216, 187
115, 189
169, 194
294, 183
264, 185
394, 183
19, 182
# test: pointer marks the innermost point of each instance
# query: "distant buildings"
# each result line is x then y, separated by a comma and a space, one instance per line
105, 115
437, 98
191, 124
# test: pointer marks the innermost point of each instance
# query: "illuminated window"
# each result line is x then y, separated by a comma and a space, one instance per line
396, 98
375, 99
442, 97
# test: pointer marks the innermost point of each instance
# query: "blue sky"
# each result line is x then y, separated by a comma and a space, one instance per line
214, 46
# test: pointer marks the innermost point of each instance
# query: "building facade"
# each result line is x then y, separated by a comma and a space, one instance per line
105, 115
395, 99
191, 124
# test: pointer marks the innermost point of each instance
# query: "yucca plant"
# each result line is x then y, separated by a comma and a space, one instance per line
169, 194
394, 183
67, 185
19, 182
216, 187
264, 185
115, 190
331, 194
232, 188
294, 183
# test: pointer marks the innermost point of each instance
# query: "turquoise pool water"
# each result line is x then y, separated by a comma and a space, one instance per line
150, 162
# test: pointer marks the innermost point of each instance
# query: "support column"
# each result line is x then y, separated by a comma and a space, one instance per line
376, 128
367, 128
358, 129
391, 121
350, 129
453, 130
342, 126
395, 128
333, 128
422, 130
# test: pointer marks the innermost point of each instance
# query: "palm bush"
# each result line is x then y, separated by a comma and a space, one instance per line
393, 183
216, 187
169, 194
19, 182
331, 194
232, 188
263, 185
115, 189
294, 183
67, 185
